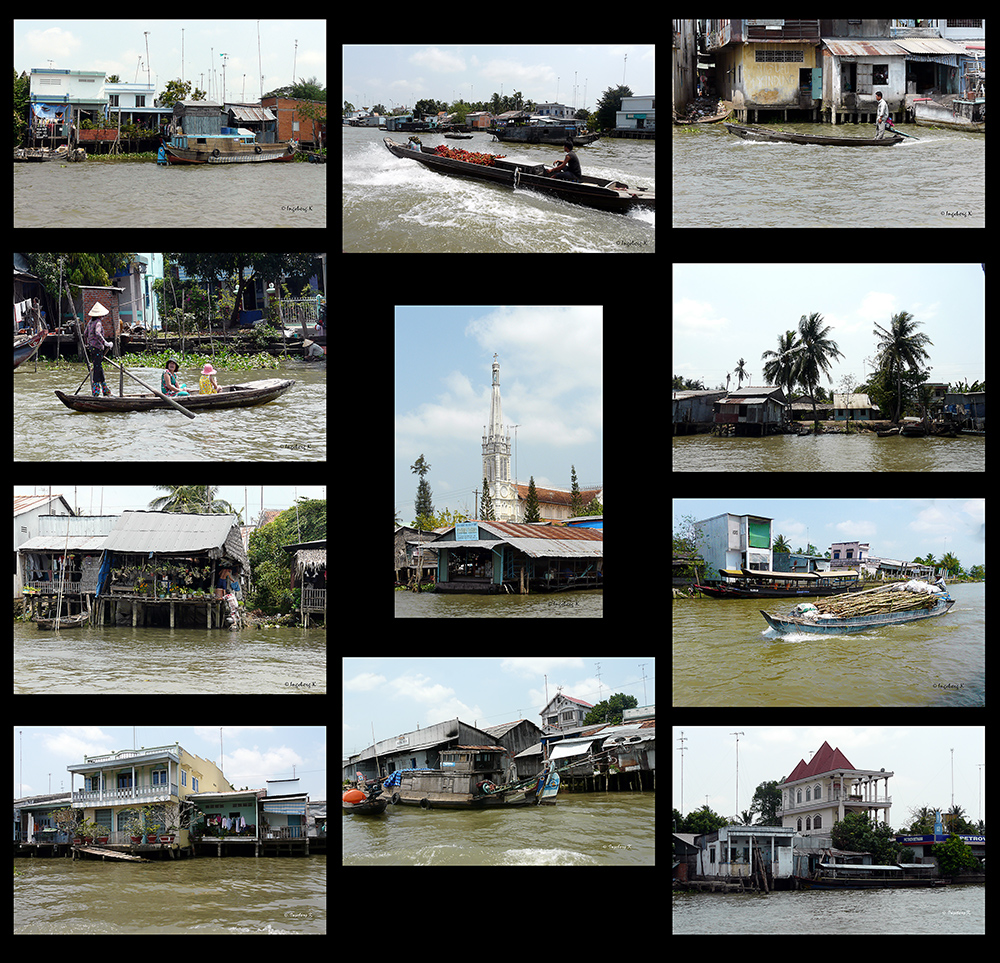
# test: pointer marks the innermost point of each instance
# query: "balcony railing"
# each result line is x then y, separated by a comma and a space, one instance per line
115, 797
874, 801
173, 750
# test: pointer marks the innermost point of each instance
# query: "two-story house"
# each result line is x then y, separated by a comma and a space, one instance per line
821, 792
564, 712
118, 784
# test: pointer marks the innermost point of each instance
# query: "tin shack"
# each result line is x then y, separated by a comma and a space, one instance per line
488, 557
164, 568
751, 411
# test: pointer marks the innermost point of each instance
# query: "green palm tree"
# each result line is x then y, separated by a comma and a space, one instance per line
814, 353
900, 347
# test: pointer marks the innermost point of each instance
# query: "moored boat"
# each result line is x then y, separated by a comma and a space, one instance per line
751, 583
365, 801
66, 622
24, 348
780, 136
470, 777
599, 192
229, 396
222, 149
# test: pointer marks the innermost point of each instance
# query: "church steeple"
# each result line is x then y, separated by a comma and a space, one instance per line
496, 456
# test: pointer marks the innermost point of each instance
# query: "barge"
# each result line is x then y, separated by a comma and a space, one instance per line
470, 777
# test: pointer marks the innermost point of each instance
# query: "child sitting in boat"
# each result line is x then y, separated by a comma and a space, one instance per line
209, 384
168, 381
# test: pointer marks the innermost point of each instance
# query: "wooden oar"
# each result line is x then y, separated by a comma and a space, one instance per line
893, 130
170, 401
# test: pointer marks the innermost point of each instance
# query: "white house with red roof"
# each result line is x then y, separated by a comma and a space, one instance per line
818, 794
564, 712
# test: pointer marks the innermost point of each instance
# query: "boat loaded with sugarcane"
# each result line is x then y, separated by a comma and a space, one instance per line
860, 611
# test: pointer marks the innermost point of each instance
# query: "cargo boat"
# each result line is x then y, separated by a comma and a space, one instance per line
470, 777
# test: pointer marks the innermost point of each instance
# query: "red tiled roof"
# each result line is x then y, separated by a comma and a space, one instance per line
826, 760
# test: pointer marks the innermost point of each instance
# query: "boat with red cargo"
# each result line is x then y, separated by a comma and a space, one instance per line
600, 192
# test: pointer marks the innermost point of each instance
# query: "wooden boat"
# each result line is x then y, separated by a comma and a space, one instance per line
854, 876
222, 149
470, 777
24, 348
597, 192
857, 623
749, 583
69, 622
780, 136
230, 396
357, 802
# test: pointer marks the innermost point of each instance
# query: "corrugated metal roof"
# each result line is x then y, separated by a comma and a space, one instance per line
864, 48
168, 533
557, 547
508, 529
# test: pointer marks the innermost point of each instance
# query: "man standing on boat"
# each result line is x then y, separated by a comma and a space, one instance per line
571, 161
94, 339
881, 116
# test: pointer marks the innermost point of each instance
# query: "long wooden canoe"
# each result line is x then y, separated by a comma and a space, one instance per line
780, 136
230, 396
597, 192
24, 348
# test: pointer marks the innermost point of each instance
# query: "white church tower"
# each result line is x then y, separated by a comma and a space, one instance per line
496, 458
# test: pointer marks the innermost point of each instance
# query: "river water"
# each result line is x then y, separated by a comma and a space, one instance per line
859, 452
725, 654
118, 660
394, 205
721, 180
957, 910
561, 605
269, 896
146, 195
290, 428
581, 829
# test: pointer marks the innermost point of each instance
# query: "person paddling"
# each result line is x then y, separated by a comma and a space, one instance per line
881, 116
98, 344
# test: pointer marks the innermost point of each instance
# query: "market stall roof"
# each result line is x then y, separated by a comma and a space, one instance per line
170, 533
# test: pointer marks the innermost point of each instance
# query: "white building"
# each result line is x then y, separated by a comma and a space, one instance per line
818, 794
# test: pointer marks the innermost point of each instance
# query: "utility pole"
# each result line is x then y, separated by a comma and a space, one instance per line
682, 749
737, 734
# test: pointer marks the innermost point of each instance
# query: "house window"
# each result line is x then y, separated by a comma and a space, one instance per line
818, 822
159, 777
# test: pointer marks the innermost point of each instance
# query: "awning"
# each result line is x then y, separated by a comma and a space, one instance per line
565, 751
289, 807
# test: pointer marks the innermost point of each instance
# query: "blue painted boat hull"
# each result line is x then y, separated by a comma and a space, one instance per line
861, 623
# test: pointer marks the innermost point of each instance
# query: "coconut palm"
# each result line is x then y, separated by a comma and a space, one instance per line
814, 353
900, 347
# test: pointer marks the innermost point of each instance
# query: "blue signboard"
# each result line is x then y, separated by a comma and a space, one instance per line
938, 839
467, 532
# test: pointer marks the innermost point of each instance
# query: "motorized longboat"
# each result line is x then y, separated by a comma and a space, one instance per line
818, 623
751, 583
228, 396
470, 777
599, 192
785, 137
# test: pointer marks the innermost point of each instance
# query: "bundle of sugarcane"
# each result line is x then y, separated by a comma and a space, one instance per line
875, 601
